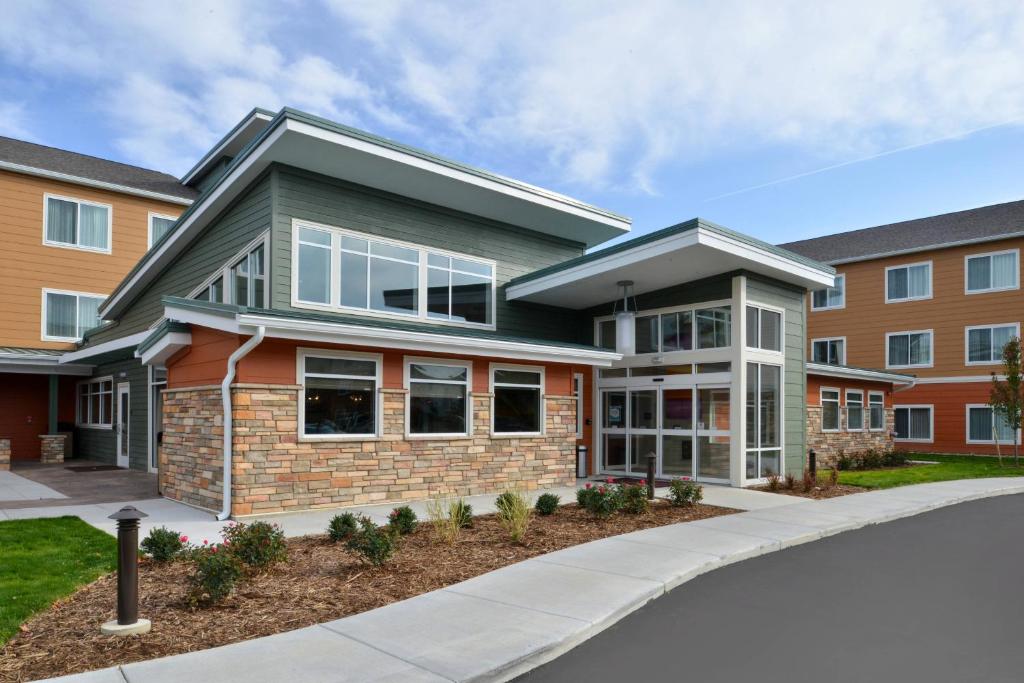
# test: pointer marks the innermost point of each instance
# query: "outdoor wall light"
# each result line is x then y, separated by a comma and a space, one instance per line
625, 322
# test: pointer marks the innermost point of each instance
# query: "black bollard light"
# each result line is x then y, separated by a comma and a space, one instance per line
127, 622
651, 457
812, 463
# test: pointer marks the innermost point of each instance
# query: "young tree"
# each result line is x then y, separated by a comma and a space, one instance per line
1007, 396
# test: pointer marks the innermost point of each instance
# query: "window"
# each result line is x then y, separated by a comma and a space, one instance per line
577, 391
214, 291
438, 396
68, 315
985, 343
829, 351
342, 270
913, 423
830, 297
854, 410
764, 329
764, 420
909, 349
647, 336
714, 327
606, 334
339, 394
248, 279
992, 272
982, 429
830, 410
876, 411
907, 283
518, 399
95, 403
677, 331
159, 226
76, 223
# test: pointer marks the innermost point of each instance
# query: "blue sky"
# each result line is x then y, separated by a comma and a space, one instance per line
784, 120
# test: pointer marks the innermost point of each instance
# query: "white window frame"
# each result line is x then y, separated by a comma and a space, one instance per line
759, 347
781, 409
990, 254
996, 356
79, 422
931, 422
839, 407
300, 378
842, 361
872, 395
967, 425
847, 397
839, 276
692, 308
931, 355
908, 266
47, 196
577, 388
334, 305
224, 272
408, 381
543, 400
77, 295
149, 223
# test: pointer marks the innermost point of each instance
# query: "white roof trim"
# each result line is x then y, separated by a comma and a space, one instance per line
89, 182
106, 347
203, 164
164, 348
826, 370
42, 364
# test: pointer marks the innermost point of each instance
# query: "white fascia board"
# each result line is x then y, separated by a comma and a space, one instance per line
218, 151
165, 347
89, 182
825, 370
223, 322
106, 347
41, 365
750, 252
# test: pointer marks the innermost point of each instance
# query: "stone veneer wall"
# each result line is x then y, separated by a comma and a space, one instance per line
52, 448
276, 472
827, 444
5, 455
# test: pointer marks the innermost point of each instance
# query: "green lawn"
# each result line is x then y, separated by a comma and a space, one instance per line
42, 560
948, 467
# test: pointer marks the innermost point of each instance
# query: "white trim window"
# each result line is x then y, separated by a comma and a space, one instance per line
876, 411
94, 409
910, 282
993, 272
830, 350
518, 400
242, 280
577, 392
764, 420
667, 330
438, 403
913, 423
159, 225
764, 328
830, 409
983, 344
76, 223
345, 271
69, 315
911, 349
854, 410
340, 394
982, 428
830, 298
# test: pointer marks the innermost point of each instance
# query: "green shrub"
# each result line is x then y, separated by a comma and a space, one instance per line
375, 544
871, 459
601, 501
402, 520
257, 545
341, 527
843, 461
894, 459
514, 513
164, 545
546, 504
634, 498
683, 493
216, 572
449, 517
462, 512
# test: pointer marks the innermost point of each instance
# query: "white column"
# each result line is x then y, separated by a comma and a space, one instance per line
737, 408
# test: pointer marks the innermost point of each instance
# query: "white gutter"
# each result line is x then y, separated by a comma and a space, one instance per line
106, 347
225, 396
89, 182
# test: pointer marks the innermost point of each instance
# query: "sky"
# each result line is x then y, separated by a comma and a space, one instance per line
781, 119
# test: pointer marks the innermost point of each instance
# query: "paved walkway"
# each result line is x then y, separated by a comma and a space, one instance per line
77, 483
509, 621
17, 489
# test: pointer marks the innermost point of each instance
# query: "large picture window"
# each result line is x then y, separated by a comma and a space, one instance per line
69, 315
913, 423
907, 283
95, 403
992, 272
830, 297
982, 428
909, 349
339, 394
764, 420
438, 397
985, 343
518, 399
77, 223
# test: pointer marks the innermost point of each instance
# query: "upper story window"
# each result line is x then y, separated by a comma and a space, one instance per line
711, 328
909, 349
159, 226
339, 394
76, 223
830, 297
985, 342
68, 315
831, 351
764, 329
242, 281
992, 272
909, 282
346, 271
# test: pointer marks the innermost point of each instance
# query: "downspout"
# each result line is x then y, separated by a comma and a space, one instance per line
225, 397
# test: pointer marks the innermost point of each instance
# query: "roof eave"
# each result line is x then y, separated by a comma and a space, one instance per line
90, 182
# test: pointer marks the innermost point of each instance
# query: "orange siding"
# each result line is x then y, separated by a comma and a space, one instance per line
949, 414
815, 383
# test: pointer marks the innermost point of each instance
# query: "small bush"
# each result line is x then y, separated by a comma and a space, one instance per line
216, 572
601, 501
257, 545
773, 481
375, 544
402, 520
843, 461
164, 545
809, 482
683, 493
341, 527
833, 478
514, 513
634, 498
449, 517
790, 481
546, 504
871, 459
894, 459
462, 512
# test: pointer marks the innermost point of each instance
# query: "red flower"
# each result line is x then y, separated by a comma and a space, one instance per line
183, 539
601, 489
588, 485
213, 549
609, 480
205, 542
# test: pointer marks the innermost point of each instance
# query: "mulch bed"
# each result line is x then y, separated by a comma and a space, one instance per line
818, 492
320, 581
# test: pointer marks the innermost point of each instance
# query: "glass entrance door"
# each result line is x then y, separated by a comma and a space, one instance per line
677, 432
713, 433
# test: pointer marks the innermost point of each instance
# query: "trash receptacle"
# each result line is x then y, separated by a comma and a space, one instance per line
581, 461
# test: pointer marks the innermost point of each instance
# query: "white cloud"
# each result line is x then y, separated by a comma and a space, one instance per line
14, 121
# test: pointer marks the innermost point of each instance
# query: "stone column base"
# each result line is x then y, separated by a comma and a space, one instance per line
52, 448
5, 455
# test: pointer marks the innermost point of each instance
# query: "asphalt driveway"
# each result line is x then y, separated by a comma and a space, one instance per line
936, 597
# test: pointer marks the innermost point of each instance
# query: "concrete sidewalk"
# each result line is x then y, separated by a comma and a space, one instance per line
504, 623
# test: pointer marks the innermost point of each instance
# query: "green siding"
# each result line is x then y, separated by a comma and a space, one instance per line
101, 444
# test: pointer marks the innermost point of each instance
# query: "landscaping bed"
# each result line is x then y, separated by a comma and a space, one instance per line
825, 485
320, 581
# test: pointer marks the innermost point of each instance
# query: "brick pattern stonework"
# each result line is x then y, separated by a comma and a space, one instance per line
52, 448
5, 455
827, 444
274, 471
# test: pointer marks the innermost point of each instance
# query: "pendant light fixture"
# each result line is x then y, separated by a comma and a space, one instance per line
625, 322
